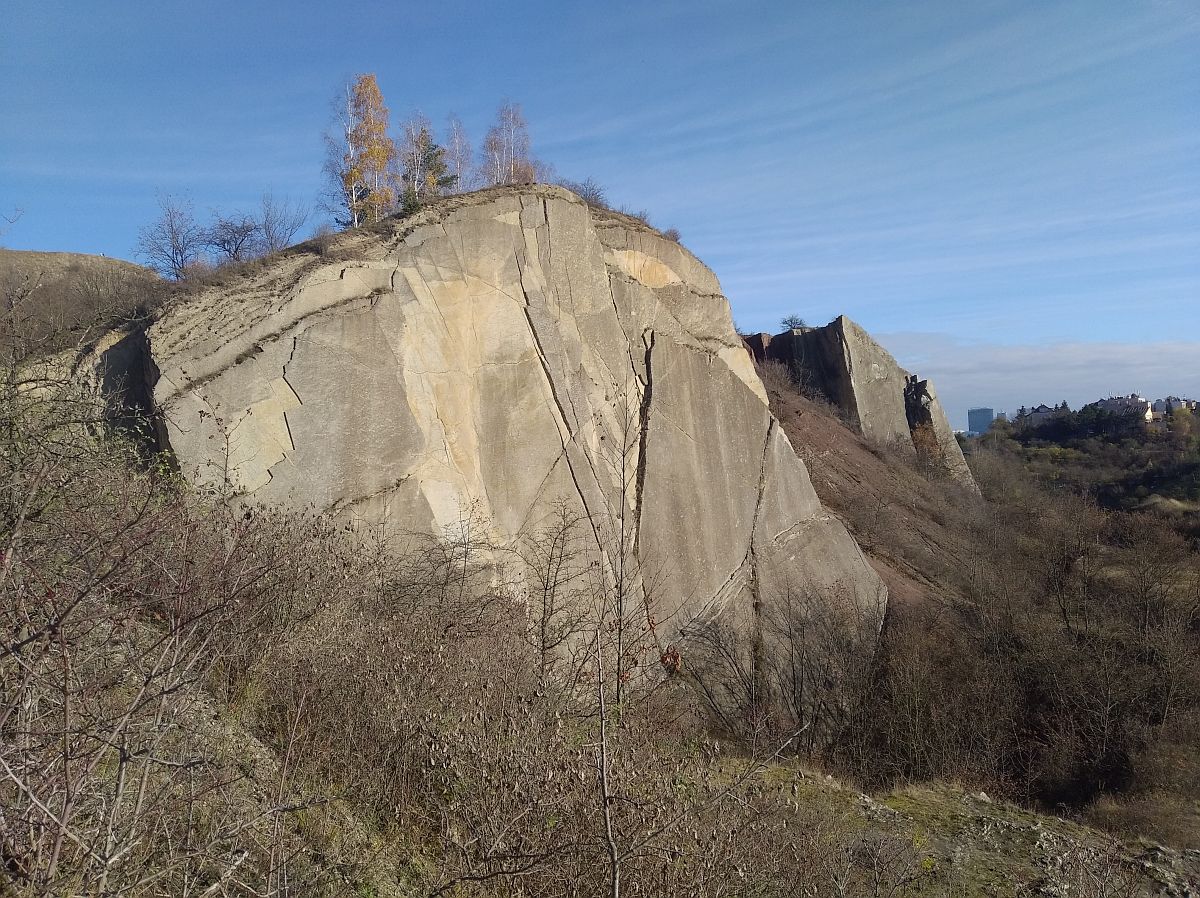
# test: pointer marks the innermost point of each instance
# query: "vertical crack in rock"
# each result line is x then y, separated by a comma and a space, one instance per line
549, 285
290, 358
751, 558
574, 425
746, 572
643, 441
430, 295
570, 435
621, 324
758, 641
550, 261
762, 482
287, 425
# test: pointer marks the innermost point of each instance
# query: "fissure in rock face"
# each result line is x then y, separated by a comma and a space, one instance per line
480, 359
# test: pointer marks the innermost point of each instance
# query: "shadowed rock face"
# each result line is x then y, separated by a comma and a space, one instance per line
496, 355
889, 406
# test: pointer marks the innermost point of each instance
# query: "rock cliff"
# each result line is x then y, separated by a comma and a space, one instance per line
888, 405
498, 355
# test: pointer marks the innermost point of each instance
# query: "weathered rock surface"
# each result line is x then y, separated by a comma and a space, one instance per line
495, 355
888, 405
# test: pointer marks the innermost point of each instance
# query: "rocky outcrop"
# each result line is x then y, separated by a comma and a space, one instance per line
932, 434
888, 405
498, 355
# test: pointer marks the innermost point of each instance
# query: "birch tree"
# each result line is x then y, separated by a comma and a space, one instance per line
362, 155
459, 155
507, 157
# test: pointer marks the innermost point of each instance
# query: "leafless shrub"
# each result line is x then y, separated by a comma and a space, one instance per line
588, 190
776, 376
928, 451
43, 313
322, 243
118, 609
123, 600
803, 669
1054, 671
232, 238
174, 243
557, 575
1075, 870
279, 221
782, 378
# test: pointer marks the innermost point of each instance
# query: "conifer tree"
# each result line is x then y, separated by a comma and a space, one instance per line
424, 172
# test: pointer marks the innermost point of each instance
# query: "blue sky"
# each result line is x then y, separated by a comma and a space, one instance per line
1007, 193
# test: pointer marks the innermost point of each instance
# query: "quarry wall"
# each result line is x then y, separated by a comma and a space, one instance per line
496, 357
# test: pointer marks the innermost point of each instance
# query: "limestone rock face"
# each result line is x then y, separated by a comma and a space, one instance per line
889, 406
497, 355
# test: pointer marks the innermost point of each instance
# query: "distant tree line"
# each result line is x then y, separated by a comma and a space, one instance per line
1113, 458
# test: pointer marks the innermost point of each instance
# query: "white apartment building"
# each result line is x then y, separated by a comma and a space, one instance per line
1133, 404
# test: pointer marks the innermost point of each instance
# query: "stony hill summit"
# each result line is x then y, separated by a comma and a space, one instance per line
501, 355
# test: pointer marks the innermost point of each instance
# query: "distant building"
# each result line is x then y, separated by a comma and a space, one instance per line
979, 420
1150, 413
1133, 404
1165, 407
1042, 414
1032, 417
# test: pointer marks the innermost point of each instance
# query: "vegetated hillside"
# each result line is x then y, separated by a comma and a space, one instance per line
56, 266
1113, 458
1041, 646
54, 300
907, 520
200, 697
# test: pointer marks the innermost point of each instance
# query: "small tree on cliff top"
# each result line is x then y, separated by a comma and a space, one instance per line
507, 156
174, 242
459, 155
423, 172
362, 154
